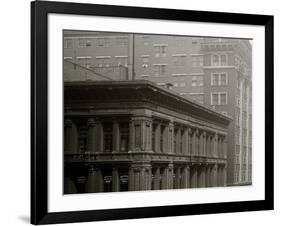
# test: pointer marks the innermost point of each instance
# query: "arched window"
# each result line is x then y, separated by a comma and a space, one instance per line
223, 60
215, 60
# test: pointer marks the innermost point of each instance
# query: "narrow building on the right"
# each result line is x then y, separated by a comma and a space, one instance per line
228, 89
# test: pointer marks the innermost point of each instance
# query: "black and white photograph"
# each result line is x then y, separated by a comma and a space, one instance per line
153, 112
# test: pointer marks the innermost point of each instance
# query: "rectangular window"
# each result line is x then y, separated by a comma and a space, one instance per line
215, 99
122, 41
160, 50
197, 61
179, 60
219, 98
83, 42
223, 99
223, 79
219, 79
88, 43
215, 79
103, 61
82, 139
124, 136
68, 43
219, 60
197, 80
145, 40
102, 42
159, 69
107, 180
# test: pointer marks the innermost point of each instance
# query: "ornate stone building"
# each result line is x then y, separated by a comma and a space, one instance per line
135, 135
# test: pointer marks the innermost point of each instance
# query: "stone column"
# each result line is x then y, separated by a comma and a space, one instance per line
116, 136
207, 145
214, 175
201, 176
94, 181
115, 180
204, 144
186, 177
219, 147
170, 138
178, 178
194, 143
210, 147
215, 143
131, 179
132, 135
201, 147
157, 178
157, 138
177, 141
70, 137
148, 135
194, 179
185, 140
167, 177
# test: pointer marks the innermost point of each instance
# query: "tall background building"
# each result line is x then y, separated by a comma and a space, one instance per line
215, 72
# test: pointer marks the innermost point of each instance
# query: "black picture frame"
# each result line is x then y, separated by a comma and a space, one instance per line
39, 112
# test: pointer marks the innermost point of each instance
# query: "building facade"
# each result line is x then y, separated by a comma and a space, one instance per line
215, 72
149, 140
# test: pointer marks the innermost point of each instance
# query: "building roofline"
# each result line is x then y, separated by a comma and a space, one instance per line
155, 88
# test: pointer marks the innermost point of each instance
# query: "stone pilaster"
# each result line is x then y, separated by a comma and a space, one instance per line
140, 177
167, 177
141, 135
115, 180
95, 136
186, 177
